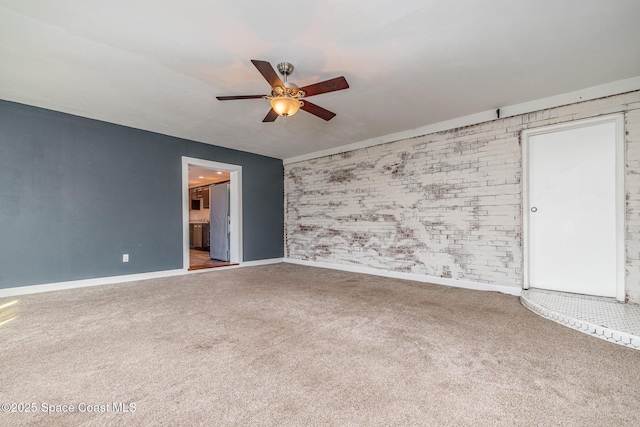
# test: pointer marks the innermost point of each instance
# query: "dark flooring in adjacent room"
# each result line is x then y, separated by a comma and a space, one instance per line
199, 260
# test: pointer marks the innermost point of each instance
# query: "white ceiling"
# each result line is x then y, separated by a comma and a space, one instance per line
199, 176
158, 65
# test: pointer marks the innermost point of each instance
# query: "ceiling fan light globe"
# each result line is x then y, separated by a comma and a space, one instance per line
285, 105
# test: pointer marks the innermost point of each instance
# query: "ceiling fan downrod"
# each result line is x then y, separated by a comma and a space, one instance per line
285, 69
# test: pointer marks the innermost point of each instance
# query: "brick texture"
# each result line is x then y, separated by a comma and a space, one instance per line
447, 204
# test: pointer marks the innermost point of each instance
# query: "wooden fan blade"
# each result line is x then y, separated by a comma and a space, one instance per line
268, 72
317, 111
229, 98
332, 85
271, 116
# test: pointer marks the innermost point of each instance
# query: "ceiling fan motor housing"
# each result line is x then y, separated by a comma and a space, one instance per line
289, 89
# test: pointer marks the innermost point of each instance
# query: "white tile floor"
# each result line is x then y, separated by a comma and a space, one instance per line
603, 318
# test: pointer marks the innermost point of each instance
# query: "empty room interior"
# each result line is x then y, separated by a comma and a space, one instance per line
320, 213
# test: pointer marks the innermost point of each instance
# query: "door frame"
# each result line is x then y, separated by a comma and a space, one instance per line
235, 207
618, 120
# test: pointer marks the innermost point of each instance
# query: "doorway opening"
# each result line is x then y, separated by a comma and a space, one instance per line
212, 226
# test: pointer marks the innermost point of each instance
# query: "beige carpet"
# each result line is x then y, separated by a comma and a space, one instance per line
292, 345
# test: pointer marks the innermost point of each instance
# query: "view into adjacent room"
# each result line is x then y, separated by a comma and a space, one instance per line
208, 218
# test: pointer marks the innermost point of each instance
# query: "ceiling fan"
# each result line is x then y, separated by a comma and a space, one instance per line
285, 98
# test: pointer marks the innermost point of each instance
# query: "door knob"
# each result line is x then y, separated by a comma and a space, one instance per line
534, 209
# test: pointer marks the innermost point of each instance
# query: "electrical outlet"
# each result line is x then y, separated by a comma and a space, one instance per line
125, 257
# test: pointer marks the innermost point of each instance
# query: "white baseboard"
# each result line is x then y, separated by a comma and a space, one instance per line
49, 287
262, 262
479, 286
243, 264
58, 286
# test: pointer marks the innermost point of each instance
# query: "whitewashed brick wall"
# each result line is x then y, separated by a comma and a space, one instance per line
446, 204
632, 177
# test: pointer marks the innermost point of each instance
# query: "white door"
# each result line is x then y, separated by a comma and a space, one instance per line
219, 222
572, 208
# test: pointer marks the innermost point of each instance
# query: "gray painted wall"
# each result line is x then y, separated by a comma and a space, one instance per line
75, 194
